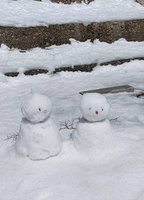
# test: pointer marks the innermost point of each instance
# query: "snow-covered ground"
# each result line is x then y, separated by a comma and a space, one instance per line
34, 13
76, 53
70, 176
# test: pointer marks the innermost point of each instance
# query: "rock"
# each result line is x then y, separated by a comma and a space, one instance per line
28, 72
72, 1
116, 89
119, 62
140, 1
82, 68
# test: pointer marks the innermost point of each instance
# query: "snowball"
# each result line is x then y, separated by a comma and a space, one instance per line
94, 107
36, 108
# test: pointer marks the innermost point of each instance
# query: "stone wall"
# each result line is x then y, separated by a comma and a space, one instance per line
30, 37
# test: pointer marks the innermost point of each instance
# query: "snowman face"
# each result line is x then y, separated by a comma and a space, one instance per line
94, 107
36, 108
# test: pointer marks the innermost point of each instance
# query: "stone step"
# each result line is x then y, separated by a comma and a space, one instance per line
30, 37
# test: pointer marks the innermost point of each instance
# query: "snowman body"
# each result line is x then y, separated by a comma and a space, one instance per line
39, 136
90, 135
94, 131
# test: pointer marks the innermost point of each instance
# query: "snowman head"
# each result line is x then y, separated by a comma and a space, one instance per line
94, 107
36, 108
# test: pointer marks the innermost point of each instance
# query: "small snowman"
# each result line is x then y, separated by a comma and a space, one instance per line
39, 137
94, 132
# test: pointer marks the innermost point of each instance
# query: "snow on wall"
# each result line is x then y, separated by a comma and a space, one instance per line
76, 53
34, 13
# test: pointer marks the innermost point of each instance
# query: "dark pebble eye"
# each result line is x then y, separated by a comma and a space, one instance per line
89, 108
39, 109
102, 109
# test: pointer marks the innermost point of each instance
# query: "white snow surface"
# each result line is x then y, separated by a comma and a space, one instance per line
24, 13
76, 53
72, 176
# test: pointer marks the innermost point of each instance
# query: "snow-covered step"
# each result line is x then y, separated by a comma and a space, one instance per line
26, 24
31, 37
27, 13
80, 54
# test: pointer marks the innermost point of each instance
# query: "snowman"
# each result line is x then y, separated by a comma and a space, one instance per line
94, 132
38, 136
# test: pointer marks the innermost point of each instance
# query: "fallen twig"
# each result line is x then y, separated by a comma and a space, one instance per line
68, 124
114, 119
13, 137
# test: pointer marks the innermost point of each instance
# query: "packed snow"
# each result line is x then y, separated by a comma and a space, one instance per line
24, 13
76, 53
38, 137
71, 175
